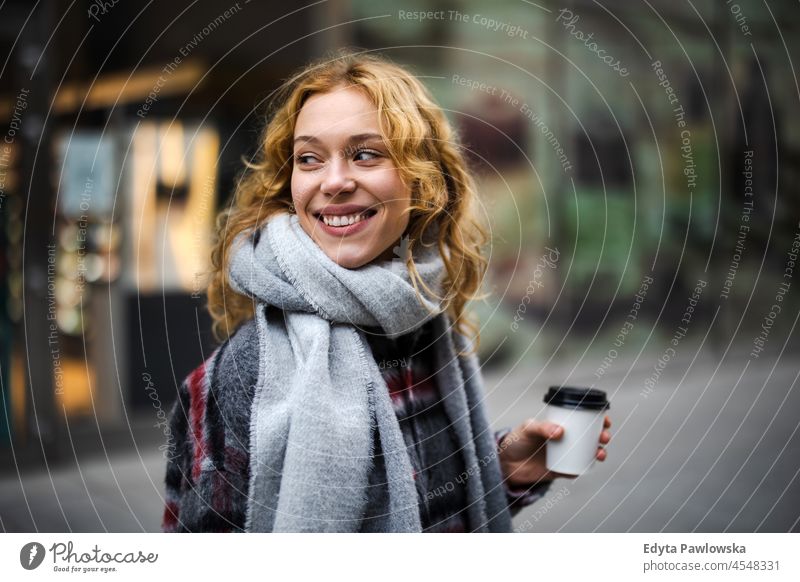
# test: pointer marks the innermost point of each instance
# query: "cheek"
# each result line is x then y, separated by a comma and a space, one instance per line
301, 191
398, 198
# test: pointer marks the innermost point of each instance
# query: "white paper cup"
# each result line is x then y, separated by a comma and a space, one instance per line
580, 411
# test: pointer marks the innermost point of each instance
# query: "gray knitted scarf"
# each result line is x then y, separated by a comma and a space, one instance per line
320, 396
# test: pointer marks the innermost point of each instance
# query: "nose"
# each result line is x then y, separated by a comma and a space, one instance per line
337, 178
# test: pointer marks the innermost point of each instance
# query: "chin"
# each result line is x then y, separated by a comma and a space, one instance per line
347, 261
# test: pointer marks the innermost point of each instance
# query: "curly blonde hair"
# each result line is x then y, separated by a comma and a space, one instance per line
422, 145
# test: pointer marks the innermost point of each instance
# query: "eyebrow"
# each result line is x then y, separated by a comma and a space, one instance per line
352, 139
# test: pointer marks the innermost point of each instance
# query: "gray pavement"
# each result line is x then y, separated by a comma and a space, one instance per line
714, 447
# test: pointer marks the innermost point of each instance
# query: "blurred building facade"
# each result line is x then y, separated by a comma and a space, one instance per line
124, 131
596, 170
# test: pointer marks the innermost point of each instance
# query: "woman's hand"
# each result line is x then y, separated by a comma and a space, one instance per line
522, 451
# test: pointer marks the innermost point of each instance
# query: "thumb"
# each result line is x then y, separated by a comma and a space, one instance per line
543, 429
555, 431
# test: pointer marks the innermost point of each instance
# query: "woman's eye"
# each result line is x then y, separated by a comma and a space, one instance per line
365, 155
305, 159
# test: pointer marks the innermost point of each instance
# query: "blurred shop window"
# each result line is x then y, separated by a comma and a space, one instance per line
495, 135
12, 386
171, 195
601, 216
172, 204
86, 254
603, 159
134, 219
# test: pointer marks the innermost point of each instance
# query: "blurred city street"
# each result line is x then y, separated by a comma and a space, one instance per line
713, 447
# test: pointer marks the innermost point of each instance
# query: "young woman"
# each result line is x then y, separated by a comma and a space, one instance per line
347, 395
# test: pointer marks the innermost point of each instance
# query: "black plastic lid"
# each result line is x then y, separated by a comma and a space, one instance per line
586, 398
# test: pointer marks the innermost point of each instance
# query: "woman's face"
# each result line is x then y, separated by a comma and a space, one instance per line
346, 190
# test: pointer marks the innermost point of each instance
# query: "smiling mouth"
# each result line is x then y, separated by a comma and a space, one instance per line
345, 221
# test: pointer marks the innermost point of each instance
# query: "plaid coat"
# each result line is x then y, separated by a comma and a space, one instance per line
208, 465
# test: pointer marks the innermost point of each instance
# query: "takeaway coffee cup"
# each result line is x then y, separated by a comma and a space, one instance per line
580, 411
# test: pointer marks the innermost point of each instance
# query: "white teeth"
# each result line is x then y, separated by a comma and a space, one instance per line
342, 220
